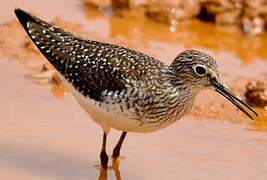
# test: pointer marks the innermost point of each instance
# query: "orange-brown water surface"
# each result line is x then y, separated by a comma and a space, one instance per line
45, 135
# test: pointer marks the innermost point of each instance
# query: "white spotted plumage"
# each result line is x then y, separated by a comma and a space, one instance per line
119, 88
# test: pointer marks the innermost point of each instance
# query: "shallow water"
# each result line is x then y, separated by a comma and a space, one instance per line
45, 137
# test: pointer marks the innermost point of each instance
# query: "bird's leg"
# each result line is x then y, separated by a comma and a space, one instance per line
116, 150
103, 154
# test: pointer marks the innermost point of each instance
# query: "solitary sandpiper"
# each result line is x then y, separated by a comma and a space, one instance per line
122, 88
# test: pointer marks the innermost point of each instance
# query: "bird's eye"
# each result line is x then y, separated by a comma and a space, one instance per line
200, 70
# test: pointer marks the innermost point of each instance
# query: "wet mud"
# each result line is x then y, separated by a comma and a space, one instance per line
47, 137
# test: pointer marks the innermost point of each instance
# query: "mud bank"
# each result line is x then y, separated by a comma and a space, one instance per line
248, 16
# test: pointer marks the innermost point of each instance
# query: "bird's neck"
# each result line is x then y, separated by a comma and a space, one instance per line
185, 95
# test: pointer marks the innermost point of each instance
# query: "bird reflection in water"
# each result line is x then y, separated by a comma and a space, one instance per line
115, 166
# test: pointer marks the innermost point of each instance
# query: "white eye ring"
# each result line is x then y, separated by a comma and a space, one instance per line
200, 70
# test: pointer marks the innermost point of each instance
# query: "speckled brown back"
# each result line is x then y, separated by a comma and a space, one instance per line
92, 67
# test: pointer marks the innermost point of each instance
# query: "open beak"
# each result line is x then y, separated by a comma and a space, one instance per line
232, 97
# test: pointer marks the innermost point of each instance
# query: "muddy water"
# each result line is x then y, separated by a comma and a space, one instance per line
45, 137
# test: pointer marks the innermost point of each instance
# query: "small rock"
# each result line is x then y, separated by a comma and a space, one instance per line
256, 93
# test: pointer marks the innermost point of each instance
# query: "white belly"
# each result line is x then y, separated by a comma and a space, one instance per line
108, 116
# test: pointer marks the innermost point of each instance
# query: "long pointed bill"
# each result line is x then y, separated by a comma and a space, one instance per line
233, 98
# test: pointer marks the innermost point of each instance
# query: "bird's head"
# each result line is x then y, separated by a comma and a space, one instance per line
199, 70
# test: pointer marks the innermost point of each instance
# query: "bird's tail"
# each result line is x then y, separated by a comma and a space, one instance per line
24, 18
49, 39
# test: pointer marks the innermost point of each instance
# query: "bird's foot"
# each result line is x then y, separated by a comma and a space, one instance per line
114, 167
